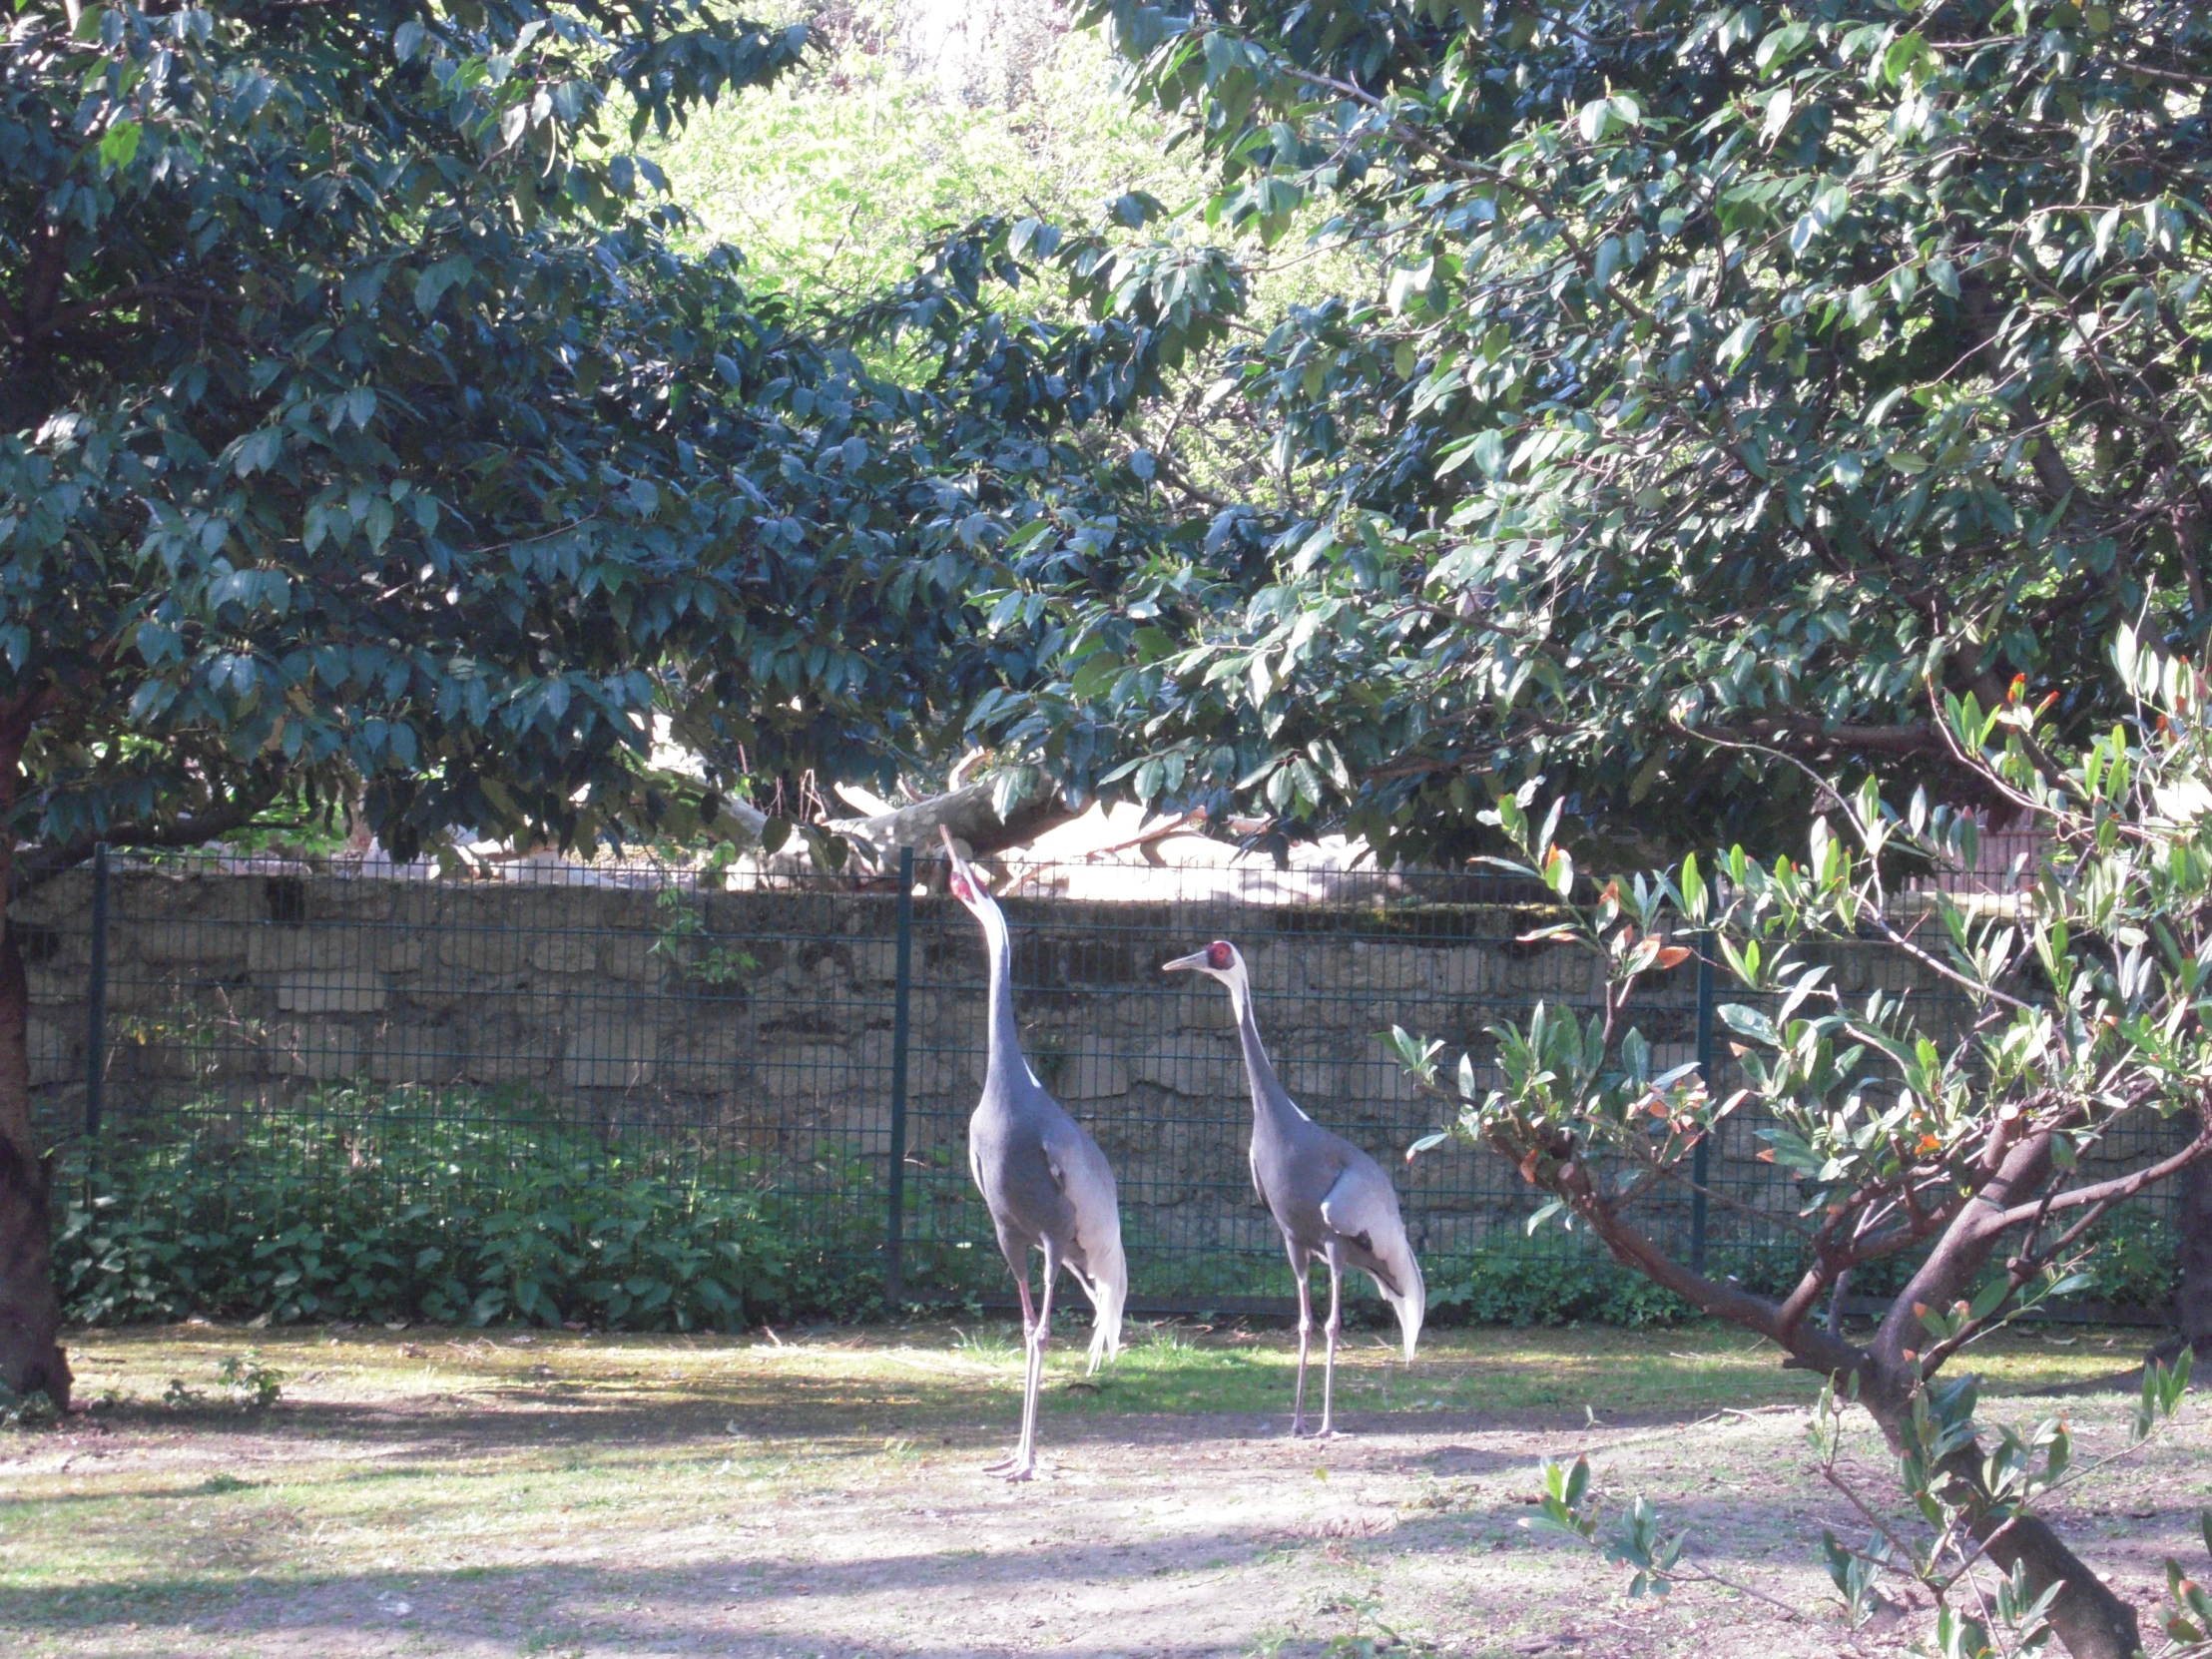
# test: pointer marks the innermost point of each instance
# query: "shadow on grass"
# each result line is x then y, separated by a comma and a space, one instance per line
731, 1597
601, 1417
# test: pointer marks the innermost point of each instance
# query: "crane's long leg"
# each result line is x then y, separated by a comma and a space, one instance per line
1334, 1324
1020, 1265
1305, 1335
1025, 1454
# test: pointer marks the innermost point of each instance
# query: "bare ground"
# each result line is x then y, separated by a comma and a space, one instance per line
443, 1493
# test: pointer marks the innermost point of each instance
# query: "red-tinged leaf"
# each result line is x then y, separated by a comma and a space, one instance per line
2018, 690
1528, 1167
1674, 956
1558, 930
1765, 1155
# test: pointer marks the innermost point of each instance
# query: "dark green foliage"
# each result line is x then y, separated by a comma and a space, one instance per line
1556, 1287
406, 1209
1725, 372
2135, 1257
412, 451
2131, 1260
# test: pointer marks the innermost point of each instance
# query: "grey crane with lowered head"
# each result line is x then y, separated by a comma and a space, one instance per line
1330, 1199
1044, 1180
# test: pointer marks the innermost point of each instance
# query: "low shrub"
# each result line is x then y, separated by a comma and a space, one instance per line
2130, 1258
1548, 1283
459, 1207
408, 1205
2136, 1259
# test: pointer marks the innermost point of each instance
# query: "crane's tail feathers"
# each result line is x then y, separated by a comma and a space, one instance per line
1412, 1303
1108, 1289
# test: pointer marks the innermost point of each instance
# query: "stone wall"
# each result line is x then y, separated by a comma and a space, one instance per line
760, 1027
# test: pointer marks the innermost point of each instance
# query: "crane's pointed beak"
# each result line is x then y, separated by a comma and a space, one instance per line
1195, 962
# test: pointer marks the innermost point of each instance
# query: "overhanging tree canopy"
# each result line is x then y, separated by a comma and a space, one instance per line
366, 425
1730, 373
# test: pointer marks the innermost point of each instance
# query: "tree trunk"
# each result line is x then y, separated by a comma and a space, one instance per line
2090, 1621
2193, 1221
30, 1313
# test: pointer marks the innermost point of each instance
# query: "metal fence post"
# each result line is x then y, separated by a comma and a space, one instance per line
95, 997
1700, 1161
895, 1221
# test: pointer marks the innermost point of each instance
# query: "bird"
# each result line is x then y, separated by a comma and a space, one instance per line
1330, 1199
1045, 1182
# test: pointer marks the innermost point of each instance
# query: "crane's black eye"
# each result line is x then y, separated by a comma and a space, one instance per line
1217, 954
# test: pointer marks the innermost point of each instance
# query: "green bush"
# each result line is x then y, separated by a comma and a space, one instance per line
2135, 1257
408, 1205
2130, 1259
1548, 1283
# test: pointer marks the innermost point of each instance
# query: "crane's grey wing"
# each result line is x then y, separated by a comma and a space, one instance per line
1362, 1209
1079, 1169
1086, 1179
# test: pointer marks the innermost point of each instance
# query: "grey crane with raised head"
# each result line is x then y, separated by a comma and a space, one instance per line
1330, 1199
1044, 1180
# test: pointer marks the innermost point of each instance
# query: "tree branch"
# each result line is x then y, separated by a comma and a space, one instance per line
2116, 1190
969, 813
39, 866
1812, 1347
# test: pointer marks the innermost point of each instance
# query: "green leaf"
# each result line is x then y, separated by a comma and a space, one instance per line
119, 145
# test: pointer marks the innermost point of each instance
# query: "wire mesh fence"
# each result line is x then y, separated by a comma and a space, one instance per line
818, 1040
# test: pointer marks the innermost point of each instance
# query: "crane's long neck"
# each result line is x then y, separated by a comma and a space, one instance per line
1005, 1035
1271, 1106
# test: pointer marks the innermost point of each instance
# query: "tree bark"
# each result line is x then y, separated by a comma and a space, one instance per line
31, 1357
2193, 1221
969, 811
2090, 1621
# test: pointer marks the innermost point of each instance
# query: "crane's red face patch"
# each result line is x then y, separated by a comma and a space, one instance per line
962, 888
1218, 955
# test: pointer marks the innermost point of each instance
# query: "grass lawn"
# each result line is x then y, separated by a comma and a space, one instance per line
498, 1492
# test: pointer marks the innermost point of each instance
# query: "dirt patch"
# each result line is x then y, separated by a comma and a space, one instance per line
457, 1494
